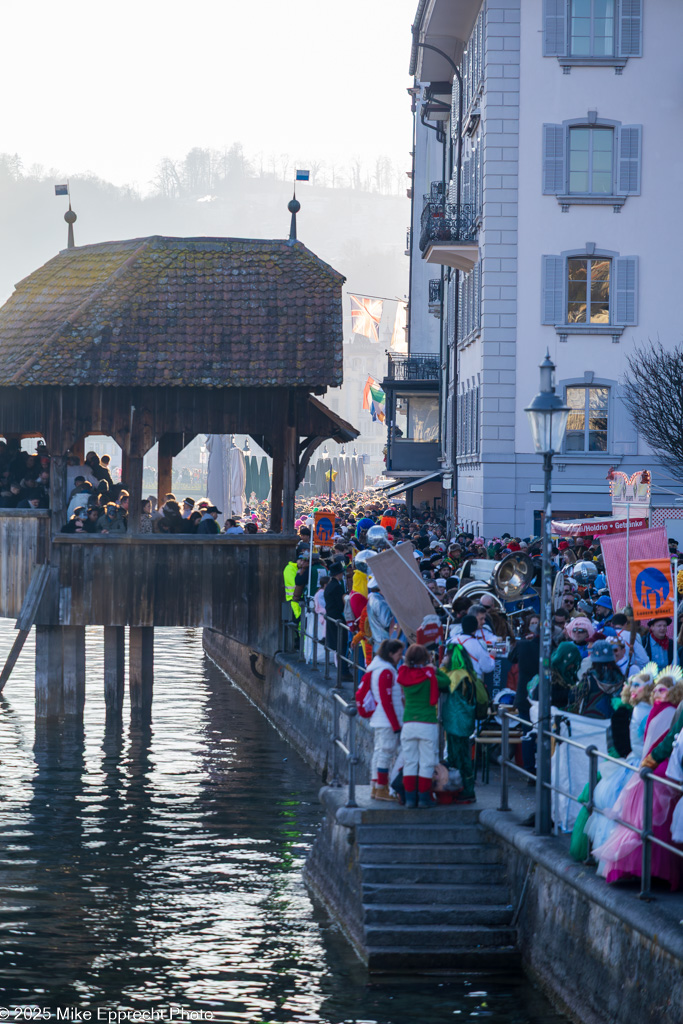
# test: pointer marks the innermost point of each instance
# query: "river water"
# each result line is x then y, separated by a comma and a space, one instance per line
158, 868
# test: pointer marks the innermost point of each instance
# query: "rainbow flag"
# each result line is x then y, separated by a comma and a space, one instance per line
374, 400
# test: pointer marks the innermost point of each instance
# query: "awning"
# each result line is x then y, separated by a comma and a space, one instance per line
406, 485
597, 527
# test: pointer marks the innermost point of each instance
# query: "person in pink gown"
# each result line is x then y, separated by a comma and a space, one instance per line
620, 856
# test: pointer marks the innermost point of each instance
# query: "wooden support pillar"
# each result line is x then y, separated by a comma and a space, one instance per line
277, 486
164, 476
58, 495
114, 669
73, 639
78, 448
134, 488
49, 671
291, 461
140, 667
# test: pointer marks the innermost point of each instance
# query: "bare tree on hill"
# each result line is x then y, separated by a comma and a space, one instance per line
653, 393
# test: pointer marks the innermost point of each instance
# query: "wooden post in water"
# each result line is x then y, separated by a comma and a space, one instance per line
73, 639
114, 669
140, 667
49, 671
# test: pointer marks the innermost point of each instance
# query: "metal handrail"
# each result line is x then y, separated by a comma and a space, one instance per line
594, 755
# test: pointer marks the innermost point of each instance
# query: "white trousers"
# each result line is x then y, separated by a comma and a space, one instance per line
383, 755
419, 742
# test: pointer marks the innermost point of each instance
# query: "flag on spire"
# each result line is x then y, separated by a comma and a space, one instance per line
374, 400
366, 314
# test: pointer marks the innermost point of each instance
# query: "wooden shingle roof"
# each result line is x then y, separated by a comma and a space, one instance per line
170, 312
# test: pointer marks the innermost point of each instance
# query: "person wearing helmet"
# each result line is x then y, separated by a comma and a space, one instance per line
600, 686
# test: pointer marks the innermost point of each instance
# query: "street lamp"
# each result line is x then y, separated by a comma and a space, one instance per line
548, 418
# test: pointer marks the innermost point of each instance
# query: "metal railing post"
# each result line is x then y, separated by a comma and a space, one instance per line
645, 834
302, 634
505, 752
314, 653
355, 666
338, 683
353, 760
335, 738
327, 651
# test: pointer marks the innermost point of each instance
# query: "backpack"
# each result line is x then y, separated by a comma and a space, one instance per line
462, 664
365, 701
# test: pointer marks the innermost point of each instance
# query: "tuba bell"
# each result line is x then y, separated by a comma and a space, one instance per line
506, 580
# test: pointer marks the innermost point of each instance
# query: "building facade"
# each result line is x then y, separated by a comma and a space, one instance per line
554, 227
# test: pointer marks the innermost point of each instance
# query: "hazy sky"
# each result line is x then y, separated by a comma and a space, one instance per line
106, 87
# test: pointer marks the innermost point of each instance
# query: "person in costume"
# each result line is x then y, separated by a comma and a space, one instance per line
388, 714
613, 778
620, 856
657, 644
596, 689
465, 693
420, 731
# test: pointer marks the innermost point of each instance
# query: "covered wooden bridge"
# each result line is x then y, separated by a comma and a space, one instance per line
157, 340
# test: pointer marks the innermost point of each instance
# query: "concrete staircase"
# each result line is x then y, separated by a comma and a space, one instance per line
434, 891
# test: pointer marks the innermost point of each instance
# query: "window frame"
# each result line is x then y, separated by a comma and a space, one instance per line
556, 151
592, 55
592, 130
409, 396
615, 328
586, 387
628, 35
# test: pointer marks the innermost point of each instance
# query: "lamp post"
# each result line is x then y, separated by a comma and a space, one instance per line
548, 418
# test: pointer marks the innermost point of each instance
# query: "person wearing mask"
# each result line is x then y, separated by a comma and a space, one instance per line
634, 655
603, 682
379, 614
470, 639
580, 631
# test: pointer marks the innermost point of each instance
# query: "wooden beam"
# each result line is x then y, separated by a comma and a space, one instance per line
114, 669
49, 671
291, 463
277, 483
73, 639
134, 488
140, 667
58, 496
13, 656
305, 458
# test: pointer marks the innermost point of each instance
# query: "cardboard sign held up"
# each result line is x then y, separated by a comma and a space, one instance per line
323, 530
651, 588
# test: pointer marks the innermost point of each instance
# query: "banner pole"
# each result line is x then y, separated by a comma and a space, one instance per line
675, 581
628, 573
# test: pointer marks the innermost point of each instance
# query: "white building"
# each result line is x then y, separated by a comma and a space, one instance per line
570, 145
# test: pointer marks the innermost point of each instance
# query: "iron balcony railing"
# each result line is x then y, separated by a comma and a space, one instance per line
414, 366
447, 222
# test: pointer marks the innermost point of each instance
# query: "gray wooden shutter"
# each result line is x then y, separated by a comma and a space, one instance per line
555, 28
552, 298
631, 28
554, 174
624, 432
630, 156
625, 291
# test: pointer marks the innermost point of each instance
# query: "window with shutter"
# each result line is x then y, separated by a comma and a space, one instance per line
631, 28
553, 290
629, 160
554, 176
626, 287
555, 13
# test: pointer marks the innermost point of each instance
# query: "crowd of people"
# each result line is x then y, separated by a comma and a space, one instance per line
24, 476
479, 652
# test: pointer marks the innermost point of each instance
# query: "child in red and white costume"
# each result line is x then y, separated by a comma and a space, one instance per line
388, 715
420, 733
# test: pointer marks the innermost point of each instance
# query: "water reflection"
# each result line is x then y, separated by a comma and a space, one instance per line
150, 863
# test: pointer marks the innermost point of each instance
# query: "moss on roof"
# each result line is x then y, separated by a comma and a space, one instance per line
197, 312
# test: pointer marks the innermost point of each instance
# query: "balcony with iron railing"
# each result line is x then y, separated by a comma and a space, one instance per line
416, 366
448, 233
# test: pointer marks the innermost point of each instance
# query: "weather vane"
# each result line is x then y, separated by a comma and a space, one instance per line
69, 216
294, 205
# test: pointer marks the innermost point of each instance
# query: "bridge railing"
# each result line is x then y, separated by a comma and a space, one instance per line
594, 756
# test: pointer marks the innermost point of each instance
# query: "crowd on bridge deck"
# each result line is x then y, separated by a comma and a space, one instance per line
24, 476
607, 669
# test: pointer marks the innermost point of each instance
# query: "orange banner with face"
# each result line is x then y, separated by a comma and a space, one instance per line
651, 588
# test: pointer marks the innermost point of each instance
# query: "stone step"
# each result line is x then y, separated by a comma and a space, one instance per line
394, 814
465, 853
453, 915
439, 936
456, 894
432, 874
427, 834
397, 960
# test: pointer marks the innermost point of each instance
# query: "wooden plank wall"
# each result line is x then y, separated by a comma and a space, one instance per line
233, 585
24, 537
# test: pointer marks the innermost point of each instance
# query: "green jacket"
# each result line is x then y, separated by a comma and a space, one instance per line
663, 749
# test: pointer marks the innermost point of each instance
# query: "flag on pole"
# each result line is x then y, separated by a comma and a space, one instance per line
331, 475
366, 314
302, 175
398, 337
61, 190
374, 400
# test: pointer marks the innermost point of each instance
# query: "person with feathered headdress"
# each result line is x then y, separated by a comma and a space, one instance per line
620, 856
